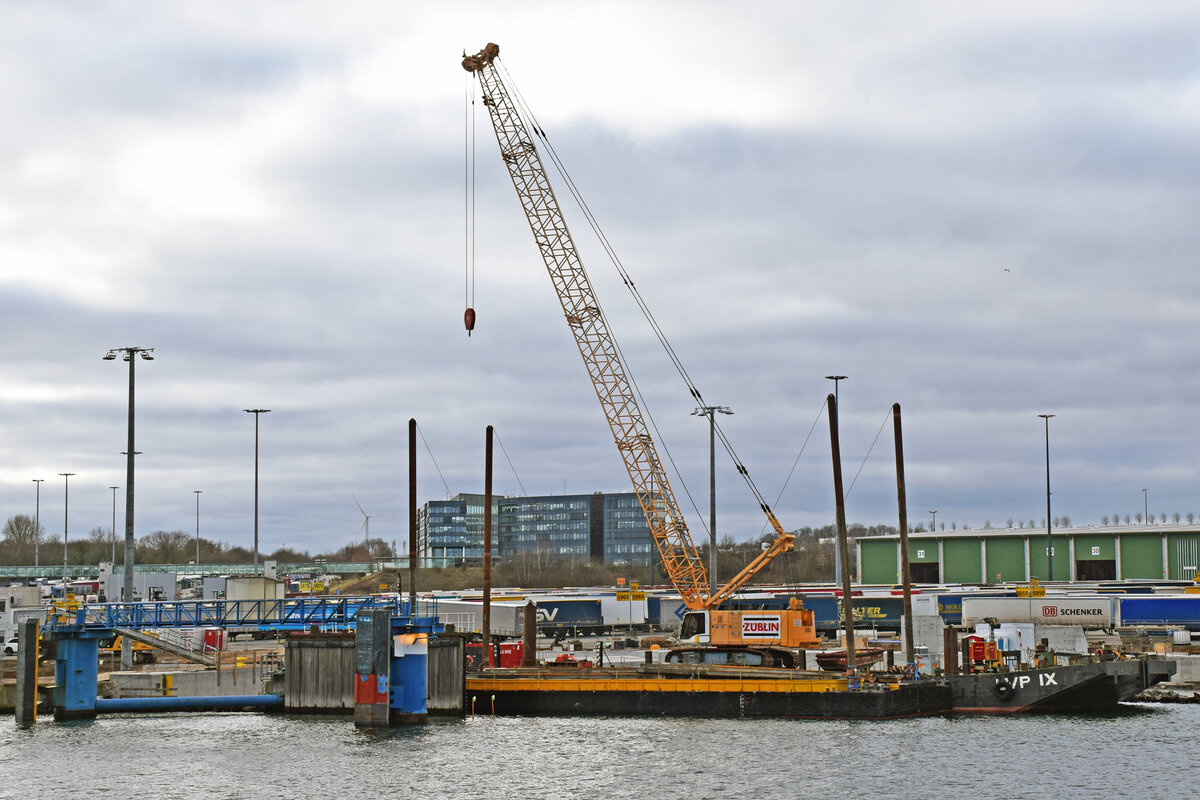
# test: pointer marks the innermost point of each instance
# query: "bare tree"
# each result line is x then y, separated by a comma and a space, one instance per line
1176, 517
18, 538
1104, 520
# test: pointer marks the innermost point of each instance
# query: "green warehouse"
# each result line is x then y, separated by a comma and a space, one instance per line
1113, 553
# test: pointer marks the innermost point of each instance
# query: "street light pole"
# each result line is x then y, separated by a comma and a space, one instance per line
256, 412
197, 493
37, 518
130, 354
710, 412
113, 529
837, 551
1049, 541
66, 476
933, 525
1146, 505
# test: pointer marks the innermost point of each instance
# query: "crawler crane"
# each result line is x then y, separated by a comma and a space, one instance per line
752, 638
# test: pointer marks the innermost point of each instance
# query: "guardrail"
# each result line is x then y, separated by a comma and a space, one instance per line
299, 567
291, 614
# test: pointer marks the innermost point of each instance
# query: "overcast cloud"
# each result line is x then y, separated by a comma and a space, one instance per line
982, 213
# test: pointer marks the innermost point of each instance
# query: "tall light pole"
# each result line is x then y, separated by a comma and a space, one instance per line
1049, 541
1146, 505
710, 412
837, 551
256, 412
37, 518
130, 354
113, 529
66, 476
933, 525
197, 493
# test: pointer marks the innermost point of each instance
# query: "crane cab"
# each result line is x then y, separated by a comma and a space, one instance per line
695, 628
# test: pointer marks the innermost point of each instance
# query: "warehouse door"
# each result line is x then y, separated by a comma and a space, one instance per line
1105, 570
925, 573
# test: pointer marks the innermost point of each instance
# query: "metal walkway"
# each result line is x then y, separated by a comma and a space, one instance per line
300, 613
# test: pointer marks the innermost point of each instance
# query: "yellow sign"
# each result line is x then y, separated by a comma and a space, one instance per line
626, 597
1031, 591
318, 586
639, 595
633, 585
623, 597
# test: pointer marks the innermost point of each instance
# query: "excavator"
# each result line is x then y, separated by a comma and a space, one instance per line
709, 634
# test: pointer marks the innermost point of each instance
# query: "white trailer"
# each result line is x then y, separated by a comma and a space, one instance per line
1089, 612
507, 618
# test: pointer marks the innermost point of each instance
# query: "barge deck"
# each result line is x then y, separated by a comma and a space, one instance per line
661, 690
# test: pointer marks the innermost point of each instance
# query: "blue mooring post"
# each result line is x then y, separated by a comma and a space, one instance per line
76, 656
390, 678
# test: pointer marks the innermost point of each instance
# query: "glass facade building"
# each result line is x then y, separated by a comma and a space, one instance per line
594, 527
452, 529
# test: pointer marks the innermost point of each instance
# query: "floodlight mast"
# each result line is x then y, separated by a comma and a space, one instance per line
127, 354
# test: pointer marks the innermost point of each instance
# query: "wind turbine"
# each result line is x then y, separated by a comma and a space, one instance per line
366, 525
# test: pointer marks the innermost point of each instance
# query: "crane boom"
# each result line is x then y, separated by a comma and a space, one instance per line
680, 558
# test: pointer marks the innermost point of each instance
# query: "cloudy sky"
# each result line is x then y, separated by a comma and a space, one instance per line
980, 212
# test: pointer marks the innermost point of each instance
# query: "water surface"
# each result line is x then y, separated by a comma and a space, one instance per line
1138, 752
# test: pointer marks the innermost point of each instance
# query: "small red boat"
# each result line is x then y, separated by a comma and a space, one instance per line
835, 660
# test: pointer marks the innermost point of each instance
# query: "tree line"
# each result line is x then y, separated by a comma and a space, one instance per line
19, 535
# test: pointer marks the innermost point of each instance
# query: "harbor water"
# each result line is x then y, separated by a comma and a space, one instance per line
1140, 751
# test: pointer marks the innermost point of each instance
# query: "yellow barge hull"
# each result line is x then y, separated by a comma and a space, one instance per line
741, 694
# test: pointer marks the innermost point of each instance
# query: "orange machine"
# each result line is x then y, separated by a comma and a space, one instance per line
790, 628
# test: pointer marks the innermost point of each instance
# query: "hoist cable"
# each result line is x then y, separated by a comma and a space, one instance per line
510, 463
532, 123
436, 468
803, 447
468, 100
869, 449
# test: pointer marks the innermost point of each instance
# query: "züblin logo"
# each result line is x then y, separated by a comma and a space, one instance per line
760, 627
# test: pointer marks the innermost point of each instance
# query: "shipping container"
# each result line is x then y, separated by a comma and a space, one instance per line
671, 609
625, 609
1090, 612
1160, 610
506, 655
573, 615
880, 613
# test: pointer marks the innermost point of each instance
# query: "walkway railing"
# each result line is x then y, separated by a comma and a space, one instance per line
292, 614
55, 572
